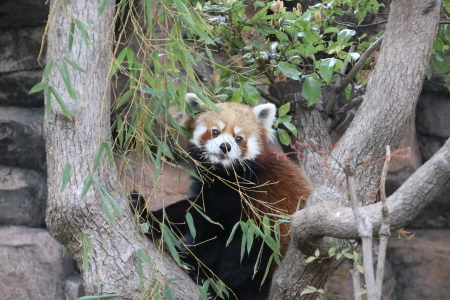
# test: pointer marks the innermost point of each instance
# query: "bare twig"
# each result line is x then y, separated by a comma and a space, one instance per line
357, 67
356, 277
269, 98
365, 228
385, 225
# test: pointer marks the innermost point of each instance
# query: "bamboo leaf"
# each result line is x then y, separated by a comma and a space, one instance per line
103, 197
71, 35
74, 65
86, 246
109, 153
268, 267
204, 215
87, 184
124, 98
250, 238
144, 257
84, 34
270, 241
153, 92
190, 171
98, 156
61, 103
168, 293
62, 67
110, 199
230, 238
66, 176
101, 7
170, 241
190, 222
48, 68
38, 87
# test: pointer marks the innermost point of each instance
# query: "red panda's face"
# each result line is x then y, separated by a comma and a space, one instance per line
239, 132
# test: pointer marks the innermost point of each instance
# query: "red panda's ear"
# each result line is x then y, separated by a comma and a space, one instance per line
193, 100
197, 105
266, 114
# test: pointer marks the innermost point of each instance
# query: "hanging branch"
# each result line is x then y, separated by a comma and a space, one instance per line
356, 277
385, 226
365, 228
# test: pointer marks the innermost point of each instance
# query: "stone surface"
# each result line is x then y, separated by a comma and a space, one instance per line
436, 214
432, 121
20, 49
404, 163
421, 265
31, 265
15, 87
21, 141
23, 197
73, 287
16, 13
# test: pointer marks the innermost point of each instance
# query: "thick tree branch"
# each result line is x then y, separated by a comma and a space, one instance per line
392, 93
333, 220
388, 105
110, 247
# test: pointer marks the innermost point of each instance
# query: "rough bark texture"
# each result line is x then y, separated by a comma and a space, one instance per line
392, 91
389, 103
112, 258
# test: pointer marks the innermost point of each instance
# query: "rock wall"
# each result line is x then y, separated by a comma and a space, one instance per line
33, 265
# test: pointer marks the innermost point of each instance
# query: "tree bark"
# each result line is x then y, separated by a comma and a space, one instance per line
389, 103
112, 256
390, 100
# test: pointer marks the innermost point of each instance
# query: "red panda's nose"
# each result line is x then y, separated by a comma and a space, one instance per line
225, 147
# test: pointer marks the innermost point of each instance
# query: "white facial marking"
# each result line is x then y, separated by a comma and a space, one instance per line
198, 132
216, 155
237, 129
253, 148
221, 125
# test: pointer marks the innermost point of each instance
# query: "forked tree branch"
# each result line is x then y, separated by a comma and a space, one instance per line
333, 220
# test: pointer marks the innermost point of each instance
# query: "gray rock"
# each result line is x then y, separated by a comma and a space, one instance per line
21, 141
23, 197
20, 49
432, 121
16, 13
73, 287
436, 214
421, 265
31, 265
15, 87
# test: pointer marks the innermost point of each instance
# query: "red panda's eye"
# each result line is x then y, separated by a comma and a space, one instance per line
238, 139
215, 132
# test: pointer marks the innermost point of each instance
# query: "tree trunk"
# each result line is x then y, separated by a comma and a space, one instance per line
113, 267
391, 97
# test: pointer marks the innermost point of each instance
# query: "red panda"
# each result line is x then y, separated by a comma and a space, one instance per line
239, 177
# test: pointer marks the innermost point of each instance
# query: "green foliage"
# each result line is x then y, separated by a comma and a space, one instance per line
309, 46
440, 58
86, 246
